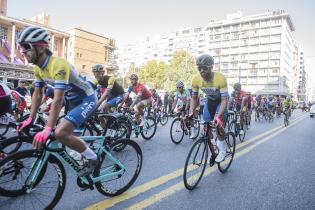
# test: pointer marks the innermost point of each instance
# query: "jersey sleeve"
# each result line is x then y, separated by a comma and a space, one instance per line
130, 89
111, 82
39, 82
223, 87
195, 86
61, 75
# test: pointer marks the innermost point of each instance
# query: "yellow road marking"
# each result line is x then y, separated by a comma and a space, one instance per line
179, 186
163, 179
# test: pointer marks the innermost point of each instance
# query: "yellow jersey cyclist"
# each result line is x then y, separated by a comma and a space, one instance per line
287, 104
114, 92
69, 85
214, 85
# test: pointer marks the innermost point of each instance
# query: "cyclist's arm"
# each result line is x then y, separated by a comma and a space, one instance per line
223, 106
36, 101
103, 98
56, 107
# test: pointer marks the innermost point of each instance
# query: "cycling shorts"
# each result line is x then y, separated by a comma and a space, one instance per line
113, 102
82, 110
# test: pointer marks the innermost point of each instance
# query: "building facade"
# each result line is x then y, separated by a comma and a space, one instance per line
81, 48
255, 50
86, 49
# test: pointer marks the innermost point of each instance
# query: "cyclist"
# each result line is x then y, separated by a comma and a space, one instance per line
157, 102
19, 104
67, 83
113, 93
287, 104
248, 103
181, 98
214, 85
142, 100
238, 100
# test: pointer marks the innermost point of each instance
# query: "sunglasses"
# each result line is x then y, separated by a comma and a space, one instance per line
179, 87
26, 47
204, 68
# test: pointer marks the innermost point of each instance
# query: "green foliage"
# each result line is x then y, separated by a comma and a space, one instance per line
164, 76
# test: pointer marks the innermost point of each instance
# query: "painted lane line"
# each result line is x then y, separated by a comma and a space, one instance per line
179, 186
162, 180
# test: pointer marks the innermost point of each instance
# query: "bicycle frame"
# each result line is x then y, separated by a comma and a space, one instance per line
67, 160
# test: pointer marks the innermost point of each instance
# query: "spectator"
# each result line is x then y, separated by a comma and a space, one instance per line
165, 102
21, 89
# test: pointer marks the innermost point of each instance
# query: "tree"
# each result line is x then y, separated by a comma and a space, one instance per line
182, 67
153, 74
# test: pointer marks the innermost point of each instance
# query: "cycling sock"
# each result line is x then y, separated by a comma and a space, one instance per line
89, 154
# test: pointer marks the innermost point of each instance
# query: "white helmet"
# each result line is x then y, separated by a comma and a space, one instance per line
179, 84
33, 34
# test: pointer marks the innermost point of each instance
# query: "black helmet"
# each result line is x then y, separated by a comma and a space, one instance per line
97, 68
205, 60
134, 76
238, 86
33, 34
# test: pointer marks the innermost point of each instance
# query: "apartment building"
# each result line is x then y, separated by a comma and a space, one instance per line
256, 50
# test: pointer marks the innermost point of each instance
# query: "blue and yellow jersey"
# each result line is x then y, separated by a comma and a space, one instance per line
213, 89
60, 74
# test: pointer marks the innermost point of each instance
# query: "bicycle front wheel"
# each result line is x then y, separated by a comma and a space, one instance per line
122, 176
15, 173
196, 163
230, 151
149, 128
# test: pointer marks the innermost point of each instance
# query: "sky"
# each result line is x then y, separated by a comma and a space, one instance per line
132, 20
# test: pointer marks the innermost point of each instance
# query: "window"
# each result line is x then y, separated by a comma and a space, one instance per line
83, 66
3, 32
196, 30
185, 32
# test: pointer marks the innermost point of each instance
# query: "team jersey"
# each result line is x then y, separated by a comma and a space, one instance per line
238, 97
60, 74
183, 97
214, 89
111, 84
287, 103
140, 90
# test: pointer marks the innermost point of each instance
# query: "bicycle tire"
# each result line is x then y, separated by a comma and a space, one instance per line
19, 140
196, 122
163, 119
103, 189
146, 124
231, 143
202, 163
56, 164
174, 140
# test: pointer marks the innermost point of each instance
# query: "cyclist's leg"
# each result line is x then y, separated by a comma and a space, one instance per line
64, 132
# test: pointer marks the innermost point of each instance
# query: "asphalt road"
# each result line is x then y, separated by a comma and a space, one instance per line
272, 169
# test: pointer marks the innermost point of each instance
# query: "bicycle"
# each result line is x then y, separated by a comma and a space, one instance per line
44, 169
199, 156
181, 126
149, 124
286, 113
160, 116
236, 125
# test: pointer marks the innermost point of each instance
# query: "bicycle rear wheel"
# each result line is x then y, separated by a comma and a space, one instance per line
230, 151
195, 164
16, 169
176, 131
163, 118
131, 159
